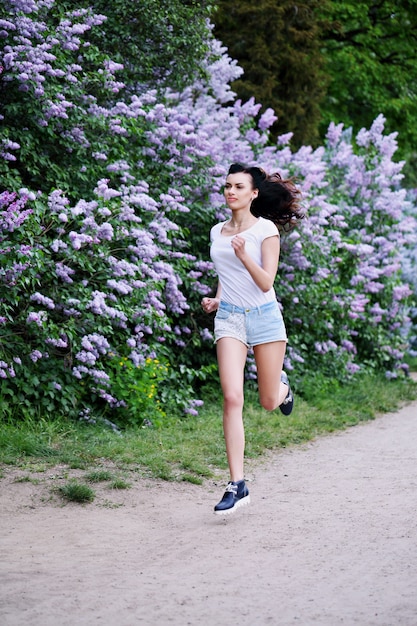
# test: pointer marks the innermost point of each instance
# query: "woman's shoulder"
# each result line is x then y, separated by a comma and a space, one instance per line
216, 230
267, 227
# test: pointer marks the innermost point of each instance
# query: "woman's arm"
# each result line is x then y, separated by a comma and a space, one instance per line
264, 276
212, 304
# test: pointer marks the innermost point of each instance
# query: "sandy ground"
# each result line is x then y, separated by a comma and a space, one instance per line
330, 538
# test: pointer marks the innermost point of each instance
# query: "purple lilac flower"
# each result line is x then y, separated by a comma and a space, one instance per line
99, 306
43, 300
62, 342
79, 240
105, 231
104, 191
84, 208
12, 214
35, 355
38, 318
57, 202
353, 368
120, 286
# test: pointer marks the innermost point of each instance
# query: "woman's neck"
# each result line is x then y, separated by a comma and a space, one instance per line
242, 221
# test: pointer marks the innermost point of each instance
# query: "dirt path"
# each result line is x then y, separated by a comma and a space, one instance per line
329, 538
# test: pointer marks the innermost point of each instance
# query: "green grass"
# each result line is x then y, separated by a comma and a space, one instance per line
27, 479
119, 483
192, 449
99, 476
75, 491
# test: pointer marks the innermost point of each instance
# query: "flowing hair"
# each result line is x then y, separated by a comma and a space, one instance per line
278, 199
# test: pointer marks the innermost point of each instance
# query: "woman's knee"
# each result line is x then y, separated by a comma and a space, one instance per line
233, 399
269, 403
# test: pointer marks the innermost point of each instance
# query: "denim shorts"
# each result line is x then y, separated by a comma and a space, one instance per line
251, 326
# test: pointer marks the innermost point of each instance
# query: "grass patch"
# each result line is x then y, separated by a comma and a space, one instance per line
27, 479
192, 449
75, 491
99, 476
190, 478
75, 462
119, 483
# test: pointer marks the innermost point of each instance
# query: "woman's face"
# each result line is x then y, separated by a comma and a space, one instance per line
239, 191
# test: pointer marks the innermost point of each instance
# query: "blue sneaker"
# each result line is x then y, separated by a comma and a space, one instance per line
236, 495
287, 406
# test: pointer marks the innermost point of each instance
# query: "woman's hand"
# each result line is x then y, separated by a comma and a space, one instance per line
263, 274
210, 304
238, 245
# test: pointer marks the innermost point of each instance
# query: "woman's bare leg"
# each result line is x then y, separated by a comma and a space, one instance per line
269, 359
231, 357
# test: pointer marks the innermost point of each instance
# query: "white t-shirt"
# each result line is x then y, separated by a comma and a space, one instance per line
237, 285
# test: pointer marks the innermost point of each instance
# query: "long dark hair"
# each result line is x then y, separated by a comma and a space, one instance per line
278, 199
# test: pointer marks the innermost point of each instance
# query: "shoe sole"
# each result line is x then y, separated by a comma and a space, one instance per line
242, 502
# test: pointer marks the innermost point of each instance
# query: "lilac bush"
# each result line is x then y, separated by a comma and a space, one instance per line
350, 293
104, 222
110, 266
409, 265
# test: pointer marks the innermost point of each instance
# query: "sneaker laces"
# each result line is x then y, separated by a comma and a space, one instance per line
231, 489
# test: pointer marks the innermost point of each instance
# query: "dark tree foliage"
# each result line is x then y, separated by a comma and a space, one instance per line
371, 59
276, 42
